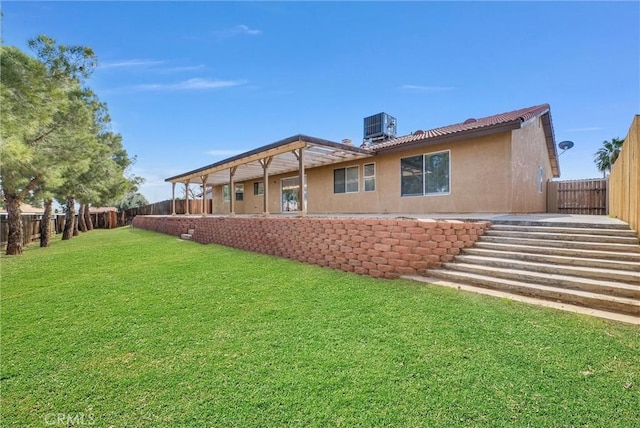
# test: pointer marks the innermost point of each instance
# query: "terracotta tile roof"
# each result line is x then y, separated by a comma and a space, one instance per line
516, 116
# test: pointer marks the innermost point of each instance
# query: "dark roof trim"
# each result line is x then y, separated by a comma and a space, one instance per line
552, 148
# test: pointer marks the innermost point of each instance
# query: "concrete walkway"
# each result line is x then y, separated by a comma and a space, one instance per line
501, 218
562, 220
497, 218
543, 218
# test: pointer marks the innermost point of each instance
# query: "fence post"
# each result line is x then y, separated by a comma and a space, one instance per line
606, 196
552, 196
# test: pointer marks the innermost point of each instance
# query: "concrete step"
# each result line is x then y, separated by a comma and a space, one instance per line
583, 298
578, 230
559, 224
610, 315
186, 236
606, 274
623, 248
556, 260
632, 257
554, 280
191, 232
561, 236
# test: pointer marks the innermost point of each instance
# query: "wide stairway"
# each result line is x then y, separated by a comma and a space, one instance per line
591, 266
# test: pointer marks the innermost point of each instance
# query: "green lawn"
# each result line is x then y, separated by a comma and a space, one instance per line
120, 328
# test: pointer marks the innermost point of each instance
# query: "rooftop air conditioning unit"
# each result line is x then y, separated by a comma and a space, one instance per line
380, 126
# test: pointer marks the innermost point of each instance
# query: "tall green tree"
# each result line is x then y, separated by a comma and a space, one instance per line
132, 200
99, 177
28, 103
35, 107
69, 66
77, 141
56, 140
106, 182
606, 155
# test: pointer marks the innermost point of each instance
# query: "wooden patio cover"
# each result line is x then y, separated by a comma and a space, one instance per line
295, 153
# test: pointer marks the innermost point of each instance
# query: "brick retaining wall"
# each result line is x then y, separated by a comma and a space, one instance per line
369, 246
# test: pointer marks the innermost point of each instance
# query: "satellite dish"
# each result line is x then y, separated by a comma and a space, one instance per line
565, 145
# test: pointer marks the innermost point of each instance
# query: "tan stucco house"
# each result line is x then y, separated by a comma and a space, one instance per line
499, 163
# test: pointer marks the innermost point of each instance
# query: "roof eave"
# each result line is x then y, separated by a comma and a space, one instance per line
462, 135
550, 140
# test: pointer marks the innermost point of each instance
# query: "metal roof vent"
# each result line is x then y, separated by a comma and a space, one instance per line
470, 120
418, 132
380, 126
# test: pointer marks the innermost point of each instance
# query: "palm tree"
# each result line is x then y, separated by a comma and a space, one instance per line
606, 155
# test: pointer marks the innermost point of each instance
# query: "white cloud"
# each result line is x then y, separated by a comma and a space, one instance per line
588, 129
238, 30
129, 63
190, 85
180, 69
243, 29
420, 88
161, 67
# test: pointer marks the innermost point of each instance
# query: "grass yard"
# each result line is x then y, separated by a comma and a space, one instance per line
120, 328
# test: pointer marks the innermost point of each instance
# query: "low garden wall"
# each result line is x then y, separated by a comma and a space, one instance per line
369, 246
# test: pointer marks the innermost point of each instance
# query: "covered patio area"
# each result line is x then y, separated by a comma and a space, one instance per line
293, 154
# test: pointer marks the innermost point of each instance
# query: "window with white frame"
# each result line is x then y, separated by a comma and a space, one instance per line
239, 192
427, 174
369, 176
345, 180
225, 193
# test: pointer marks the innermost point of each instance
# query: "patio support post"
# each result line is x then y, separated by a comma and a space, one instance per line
173, 198
302, 208
204, 194
186, 197
232, 191
265, 168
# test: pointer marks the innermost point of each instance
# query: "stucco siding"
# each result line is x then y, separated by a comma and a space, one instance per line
479, 172
494, 173
528, 153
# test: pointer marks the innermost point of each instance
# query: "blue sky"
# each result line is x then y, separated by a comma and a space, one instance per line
190, 83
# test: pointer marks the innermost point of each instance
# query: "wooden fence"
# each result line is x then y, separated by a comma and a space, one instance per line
30, 228
577, 196
32, 224
164, 208
101, 220
624, 181
106, 220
